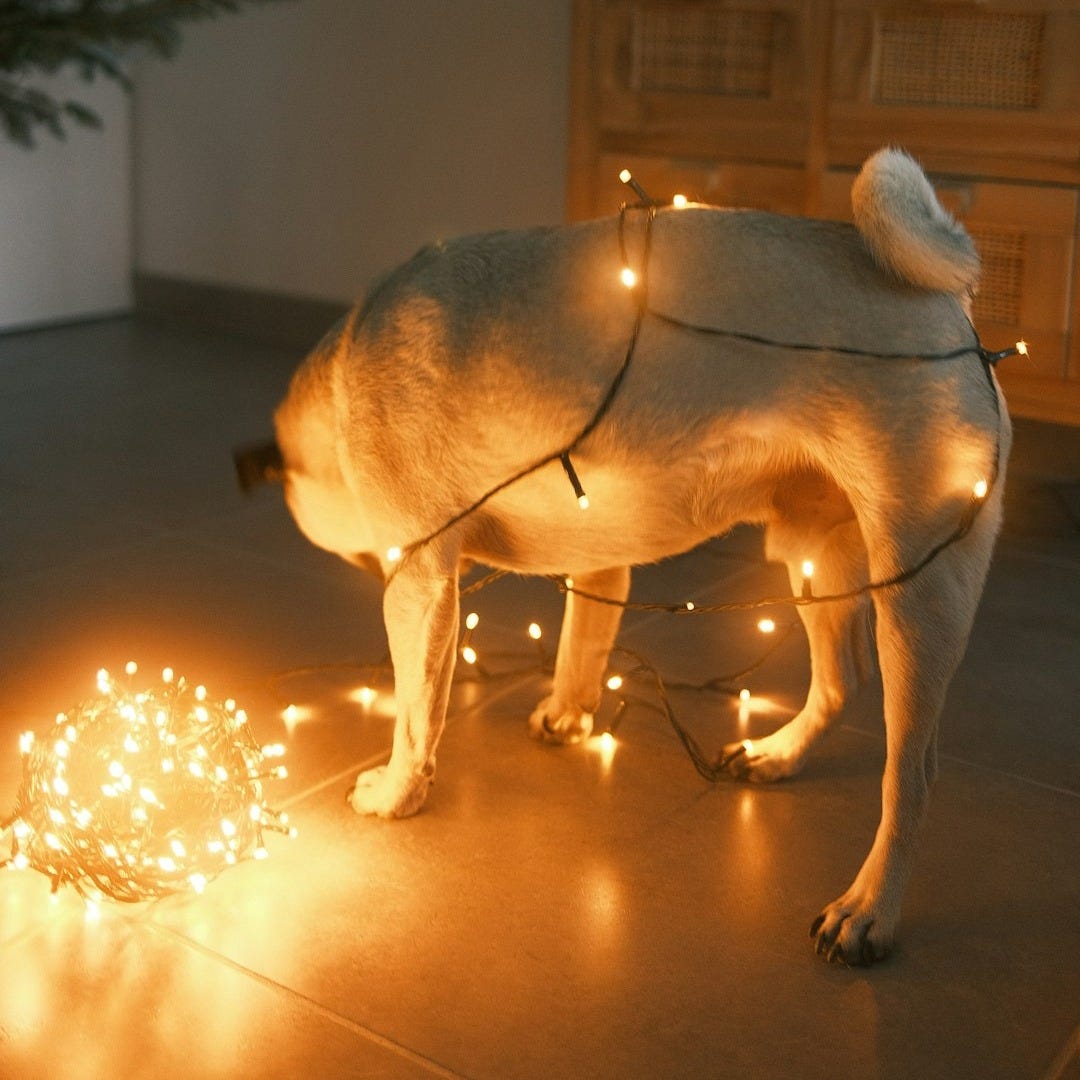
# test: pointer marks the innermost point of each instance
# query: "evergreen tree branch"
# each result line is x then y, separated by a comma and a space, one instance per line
43, 36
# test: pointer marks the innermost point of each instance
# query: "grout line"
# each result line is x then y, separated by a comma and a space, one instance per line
354, 1026
954, 760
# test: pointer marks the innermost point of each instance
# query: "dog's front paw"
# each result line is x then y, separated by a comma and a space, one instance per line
851, 931
389, 794
553, 724
760, 760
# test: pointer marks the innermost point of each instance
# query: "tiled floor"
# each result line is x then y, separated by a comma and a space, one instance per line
550, 913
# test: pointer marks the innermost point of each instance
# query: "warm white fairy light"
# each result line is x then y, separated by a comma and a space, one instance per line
979, 489
535, 631
1022, 347
472, 621
766, 626
615, 682
393, 554
133, 799
744, 694
468, 654
680, 202
628, 277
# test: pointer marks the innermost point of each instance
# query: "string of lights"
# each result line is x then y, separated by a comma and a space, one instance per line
138, 794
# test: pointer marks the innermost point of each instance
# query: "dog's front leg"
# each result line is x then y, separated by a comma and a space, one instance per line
420, 609
588, 632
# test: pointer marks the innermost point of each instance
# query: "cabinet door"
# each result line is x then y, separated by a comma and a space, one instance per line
707, 78
971, 87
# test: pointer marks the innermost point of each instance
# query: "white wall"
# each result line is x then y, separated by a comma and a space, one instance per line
65, 215
305, 147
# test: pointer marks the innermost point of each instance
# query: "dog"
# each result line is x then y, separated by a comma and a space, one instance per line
819, 379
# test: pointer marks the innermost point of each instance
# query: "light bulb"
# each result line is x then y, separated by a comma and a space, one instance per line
615, 682
535, 632
468, 654
393, 554
628, 277
766, 626
979, 489
679, 202
472, 620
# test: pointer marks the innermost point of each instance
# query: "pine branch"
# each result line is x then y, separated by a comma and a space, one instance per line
43, 36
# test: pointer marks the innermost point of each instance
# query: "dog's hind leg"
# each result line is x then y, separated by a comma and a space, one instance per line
922, 630
588, 633
839, 632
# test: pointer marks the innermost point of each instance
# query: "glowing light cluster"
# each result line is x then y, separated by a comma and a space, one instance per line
135, 795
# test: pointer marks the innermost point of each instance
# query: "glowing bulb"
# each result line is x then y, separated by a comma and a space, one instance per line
197, 882
607, 742
103, 680
130, 667
979, 489
583, 502
61, 748
468, 654
1022, 347
690, 605
255, 812
20, 862
472, 620
624, 176
367, 696
196, 770
807, 568
130, 745
167, 675
748, 746
766, 626
393, 554
260, 852
168, 864
53, 841
200, 693
628, 277
26, 741
535, 632
178, 848
228, 827
291, 713
615, 682
679, 202
744, 694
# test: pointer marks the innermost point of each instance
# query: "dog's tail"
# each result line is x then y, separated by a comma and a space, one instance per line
907, 229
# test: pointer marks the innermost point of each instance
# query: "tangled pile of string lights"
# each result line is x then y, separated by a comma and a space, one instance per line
136, 794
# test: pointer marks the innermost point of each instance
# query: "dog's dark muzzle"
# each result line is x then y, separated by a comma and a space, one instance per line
258, 464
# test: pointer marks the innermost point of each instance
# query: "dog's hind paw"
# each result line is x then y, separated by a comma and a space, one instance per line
847, 932
758, 760
386, 794
561, 726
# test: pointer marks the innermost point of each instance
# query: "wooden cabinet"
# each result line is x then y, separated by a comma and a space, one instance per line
775, 103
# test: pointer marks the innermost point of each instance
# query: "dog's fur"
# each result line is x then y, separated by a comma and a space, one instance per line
485, 354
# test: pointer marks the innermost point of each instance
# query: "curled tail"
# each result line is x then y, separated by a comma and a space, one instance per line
907, 229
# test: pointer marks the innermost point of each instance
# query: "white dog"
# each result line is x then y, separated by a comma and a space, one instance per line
482, 357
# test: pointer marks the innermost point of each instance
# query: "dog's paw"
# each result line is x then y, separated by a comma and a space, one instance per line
850, 931
386, 794
563, 726
760, 760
